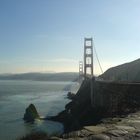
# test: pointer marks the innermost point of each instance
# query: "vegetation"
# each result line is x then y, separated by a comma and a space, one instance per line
40, 136
35, 136
125, 72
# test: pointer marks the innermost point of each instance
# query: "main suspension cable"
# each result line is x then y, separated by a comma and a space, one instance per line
97, 58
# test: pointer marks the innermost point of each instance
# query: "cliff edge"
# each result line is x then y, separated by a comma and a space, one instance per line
110, 99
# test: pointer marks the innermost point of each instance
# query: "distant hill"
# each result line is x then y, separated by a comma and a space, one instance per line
125, 72
65, 76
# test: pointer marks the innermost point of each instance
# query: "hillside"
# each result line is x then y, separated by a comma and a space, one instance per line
65, 76
125, 72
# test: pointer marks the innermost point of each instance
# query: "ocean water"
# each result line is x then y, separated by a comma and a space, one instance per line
48, 97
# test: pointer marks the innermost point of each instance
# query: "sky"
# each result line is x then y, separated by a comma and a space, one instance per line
48, 35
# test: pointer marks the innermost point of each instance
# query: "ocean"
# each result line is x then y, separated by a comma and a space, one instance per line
15, 96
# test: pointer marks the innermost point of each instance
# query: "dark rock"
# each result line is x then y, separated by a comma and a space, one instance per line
71, 95
117, 132
31, 113
137, 134
35, 136
54, 138
111, 99
79, 112
99, 137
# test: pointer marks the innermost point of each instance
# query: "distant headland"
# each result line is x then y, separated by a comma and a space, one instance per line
63, 76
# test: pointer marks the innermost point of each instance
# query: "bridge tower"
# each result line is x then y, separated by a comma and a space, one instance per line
88, 57
80, 71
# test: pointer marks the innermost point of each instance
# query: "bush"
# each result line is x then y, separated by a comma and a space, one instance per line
35, 136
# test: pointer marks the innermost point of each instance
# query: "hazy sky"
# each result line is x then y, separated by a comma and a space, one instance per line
48, 35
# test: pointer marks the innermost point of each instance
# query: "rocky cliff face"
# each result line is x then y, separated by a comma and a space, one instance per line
77, 110
109, 99
109, 129
31, 113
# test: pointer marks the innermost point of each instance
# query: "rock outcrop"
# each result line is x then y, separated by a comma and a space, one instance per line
110, 100
71, 95
79, 111
127, 128
31, 113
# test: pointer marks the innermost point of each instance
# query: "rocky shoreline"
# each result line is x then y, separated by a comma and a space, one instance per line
127, 128
117, 117
117, 128
79, 112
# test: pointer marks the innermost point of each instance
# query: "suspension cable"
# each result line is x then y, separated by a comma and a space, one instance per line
98, 58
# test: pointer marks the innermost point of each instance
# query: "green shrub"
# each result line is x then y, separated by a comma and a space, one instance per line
35, 136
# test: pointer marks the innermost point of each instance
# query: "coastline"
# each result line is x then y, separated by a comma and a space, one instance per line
48, 98
107, 103
82, 121
116, 128
120, 128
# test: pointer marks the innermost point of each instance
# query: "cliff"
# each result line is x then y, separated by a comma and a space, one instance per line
109, 100
111, 115
109, 129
